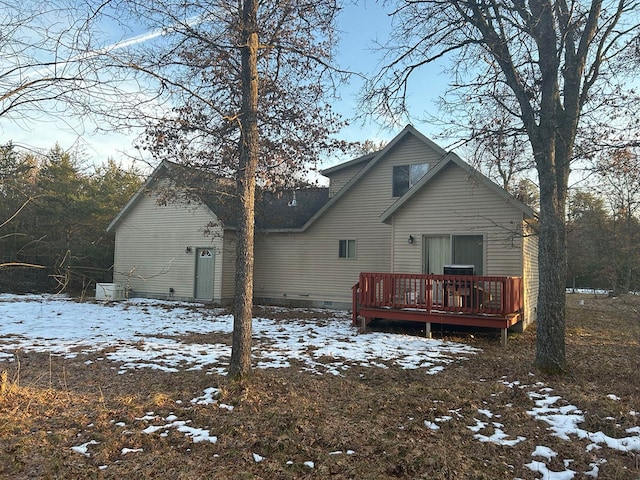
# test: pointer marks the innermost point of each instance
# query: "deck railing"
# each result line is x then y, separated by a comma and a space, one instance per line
466, 294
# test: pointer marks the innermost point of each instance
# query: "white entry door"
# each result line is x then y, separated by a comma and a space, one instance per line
205, 263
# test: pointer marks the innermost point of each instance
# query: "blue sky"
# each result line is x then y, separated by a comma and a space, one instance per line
361, 26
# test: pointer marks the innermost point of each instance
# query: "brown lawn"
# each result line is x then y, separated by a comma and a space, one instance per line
375, 417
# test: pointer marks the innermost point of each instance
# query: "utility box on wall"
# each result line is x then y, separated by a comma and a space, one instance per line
109, 291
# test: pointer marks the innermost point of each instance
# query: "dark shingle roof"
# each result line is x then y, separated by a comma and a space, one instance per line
282, 210
279, 210
290, 209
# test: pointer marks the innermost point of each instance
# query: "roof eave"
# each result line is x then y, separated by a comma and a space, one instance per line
136, 196
328, 171
280, 230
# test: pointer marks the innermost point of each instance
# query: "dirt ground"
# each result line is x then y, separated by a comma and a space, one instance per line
370, 423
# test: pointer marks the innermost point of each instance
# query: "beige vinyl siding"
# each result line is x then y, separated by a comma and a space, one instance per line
340, 178
305, 266
531, 282
455, 203
150, 255
228, 268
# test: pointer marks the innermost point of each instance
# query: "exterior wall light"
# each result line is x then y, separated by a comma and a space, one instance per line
410, 240
187, 250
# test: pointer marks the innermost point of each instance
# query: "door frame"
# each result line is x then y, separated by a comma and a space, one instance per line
196, 295
451, 236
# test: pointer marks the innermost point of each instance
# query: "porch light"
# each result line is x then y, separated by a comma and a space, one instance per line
410, 240
187, 250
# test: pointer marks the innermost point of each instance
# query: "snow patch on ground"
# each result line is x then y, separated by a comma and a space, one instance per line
138, 334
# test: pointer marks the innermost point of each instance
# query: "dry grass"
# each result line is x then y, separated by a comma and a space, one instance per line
49, 404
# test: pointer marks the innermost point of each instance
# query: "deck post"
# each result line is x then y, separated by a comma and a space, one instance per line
503, 339
354, 304
427, 329
363, 325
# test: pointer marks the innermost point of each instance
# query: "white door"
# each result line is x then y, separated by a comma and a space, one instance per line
205, 262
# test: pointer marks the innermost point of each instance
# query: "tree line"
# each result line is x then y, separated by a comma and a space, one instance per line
603, 226
54, 212
603, 210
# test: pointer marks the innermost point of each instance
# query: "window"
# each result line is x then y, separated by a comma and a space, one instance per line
453, 249
347, 249
406, 176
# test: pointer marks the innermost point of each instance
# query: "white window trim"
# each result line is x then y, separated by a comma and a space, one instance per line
347, 242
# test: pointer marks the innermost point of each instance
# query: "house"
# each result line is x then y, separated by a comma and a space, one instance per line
411, 207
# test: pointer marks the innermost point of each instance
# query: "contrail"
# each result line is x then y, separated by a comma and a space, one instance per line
145, 37
51, 68
142, 38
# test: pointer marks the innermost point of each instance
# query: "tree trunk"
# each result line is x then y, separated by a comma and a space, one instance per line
552, 257
240, 365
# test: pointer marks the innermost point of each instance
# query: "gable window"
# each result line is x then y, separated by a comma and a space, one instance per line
347, 249
406, 176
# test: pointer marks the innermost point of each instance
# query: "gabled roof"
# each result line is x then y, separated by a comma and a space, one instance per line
289, 210
274, 211
452, 158
164, 165
286, 211
283, 210
409, 129
373, 159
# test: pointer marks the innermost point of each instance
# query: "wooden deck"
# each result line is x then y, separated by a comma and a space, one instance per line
475, 301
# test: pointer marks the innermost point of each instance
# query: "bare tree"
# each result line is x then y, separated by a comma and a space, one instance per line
248, 87
369, 146
43, 67
497, 142
248, 147
559, 63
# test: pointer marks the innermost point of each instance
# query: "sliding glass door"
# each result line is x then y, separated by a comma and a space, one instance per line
441, 250
468, 250
437, 253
